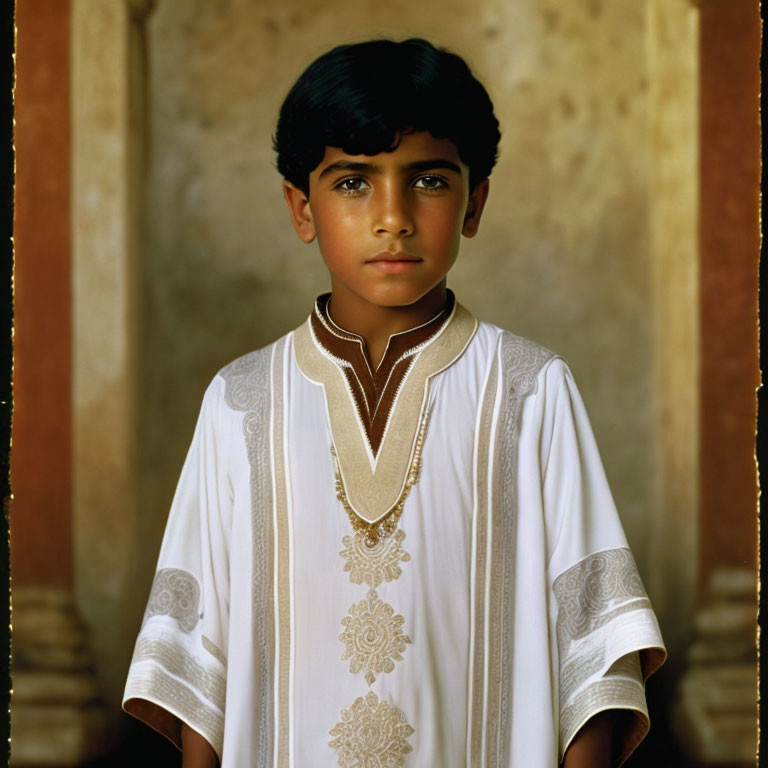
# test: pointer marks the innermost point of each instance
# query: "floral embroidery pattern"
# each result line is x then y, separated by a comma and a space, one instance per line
371, 734
373, 637
374, 564
175, 593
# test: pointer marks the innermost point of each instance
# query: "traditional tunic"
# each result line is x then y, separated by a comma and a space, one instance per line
417, 566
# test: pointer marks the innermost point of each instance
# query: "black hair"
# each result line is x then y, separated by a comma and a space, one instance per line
363, 97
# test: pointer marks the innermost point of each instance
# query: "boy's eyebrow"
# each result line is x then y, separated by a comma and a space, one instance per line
417, 165
349, 165
437, 163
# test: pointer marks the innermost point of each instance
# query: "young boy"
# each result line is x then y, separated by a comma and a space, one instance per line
392, 543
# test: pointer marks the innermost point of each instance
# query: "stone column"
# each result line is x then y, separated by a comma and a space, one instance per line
56, 713
673, 38
717, 707
108, 134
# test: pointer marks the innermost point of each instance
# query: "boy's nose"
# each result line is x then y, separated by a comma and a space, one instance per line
393, 216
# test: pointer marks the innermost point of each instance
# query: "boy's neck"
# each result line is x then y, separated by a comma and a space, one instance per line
375, 324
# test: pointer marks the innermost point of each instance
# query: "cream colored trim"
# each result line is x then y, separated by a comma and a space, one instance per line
283, 607
248, 388
214, 650
151, 683
373, 491
480, 558
609, 693
520, 363
176, 660
594, 591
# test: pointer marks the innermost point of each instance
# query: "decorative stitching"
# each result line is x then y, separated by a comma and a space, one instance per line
371, 734
374, 564
373, 637
247, 389
158, 687
614, 693
176, 660
521, 362
589, 592
375, 392
387, 523
175, 593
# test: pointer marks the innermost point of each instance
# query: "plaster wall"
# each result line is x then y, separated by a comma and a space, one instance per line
562, 255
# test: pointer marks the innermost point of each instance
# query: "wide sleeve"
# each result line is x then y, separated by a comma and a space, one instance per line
178, 670
604, 633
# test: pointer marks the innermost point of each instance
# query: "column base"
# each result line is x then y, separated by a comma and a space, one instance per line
57, 716
716, 706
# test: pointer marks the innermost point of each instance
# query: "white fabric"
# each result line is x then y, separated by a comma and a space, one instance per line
565, 514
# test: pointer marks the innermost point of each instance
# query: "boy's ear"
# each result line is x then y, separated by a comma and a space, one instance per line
475, 205
301, 215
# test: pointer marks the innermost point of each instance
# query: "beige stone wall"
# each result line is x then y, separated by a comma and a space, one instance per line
566, 253
562, 256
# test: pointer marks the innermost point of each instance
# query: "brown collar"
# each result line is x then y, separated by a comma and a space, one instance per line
374, 391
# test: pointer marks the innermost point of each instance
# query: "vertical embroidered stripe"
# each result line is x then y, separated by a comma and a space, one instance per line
477, 688
282, 564
248, 389
521, 361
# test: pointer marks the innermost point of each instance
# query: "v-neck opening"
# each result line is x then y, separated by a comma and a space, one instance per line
375, 391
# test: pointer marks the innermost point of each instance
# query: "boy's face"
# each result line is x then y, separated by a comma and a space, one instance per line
389, 225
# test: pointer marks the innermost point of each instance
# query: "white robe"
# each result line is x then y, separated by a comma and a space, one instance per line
504, 612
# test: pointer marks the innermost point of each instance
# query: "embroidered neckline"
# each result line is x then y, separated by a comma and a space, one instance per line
373, 532
374, 484
374, 391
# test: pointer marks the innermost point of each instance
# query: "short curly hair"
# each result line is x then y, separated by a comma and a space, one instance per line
363, 97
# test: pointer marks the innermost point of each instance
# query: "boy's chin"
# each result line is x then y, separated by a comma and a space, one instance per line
404, 296
403, 300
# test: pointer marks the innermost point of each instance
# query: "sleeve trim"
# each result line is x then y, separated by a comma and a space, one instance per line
599, 697
178, 662
161, 701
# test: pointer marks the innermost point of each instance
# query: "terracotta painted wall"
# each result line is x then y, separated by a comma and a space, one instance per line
730, 243
41, 452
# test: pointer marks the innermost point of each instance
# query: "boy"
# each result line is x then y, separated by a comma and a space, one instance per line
392, 543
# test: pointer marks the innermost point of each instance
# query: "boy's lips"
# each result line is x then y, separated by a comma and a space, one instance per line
393, 263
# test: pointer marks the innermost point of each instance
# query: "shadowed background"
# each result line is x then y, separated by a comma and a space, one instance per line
621, 232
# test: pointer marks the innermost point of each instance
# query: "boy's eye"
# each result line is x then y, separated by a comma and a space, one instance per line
430, 182
352, 184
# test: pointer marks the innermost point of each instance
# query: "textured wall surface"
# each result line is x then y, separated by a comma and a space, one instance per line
562, 255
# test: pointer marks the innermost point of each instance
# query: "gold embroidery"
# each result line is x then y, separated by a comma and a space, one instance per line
372, 634
387, 524
373, 487
371, 734
373, 564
